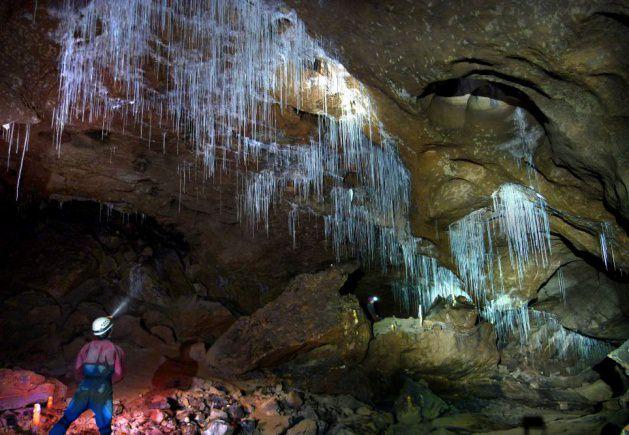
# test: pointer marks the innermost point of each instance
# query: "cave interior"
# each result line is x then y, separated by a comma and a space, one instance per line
317, 217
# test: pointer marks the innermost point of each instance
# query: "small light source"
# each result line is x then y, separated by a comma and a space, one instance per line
49, 402
6, 126
36, 414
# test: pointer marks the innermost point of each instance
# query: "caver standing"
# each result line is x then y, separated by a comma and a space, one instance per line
99, 364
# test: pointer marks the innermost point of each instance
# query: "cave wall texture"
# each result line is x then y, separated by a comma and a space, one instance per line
468, 96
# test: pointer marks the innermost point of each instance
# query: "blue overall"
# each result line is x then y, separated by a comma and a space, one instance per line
95, 393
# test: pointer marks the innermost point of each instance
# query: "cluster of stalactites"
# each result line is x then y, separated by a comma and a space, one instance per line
518, 215
211, 71
416, 297
522, 147
17, 137
539, 332
208, 69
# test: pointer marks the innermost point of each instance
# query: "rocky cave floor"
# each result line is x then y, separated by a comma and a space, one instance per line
196, 364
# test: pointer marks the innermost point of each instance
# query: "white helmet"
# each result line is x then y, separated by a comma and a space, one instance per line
102, 326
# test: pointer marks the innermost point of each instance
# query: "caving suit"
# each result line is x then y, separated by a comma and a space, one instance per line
99, 364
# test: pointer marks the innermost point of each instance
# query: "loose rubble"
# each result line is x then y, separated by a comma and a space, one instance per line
213, 407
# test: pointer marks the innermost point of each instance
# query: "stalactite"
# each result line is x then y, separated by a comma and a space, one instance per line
523, 219
538, 331
523, 146
17, 138
605, 239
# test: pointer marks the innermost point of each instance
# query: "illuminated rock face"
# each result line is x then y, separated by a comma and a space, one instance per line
271, 336
20, 388
432, 348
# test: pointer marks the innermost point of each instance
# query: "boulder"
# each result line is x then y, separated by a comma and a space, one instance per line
587, 300
294, 400
219, 427
309, 314
304, 427
621, 356
458, 312
197, 319
19, 388
416, 403
433, 349
597, 391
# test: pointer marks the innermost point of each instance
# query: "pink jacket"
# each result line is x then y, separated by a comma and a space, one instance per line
102, 352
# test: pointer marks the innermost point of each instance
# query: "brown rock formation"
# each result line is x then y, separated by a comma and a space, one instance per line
308, 315
19, 388
432, 350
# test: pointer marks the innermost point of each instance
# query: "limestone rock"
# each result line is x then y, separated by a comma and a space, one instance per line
304, 427
576, 109
202, 320
588, 301
621, 356
219, 427
19, 388
459, 313
294, 400
432, 351
270, 336
416, 403
598, 391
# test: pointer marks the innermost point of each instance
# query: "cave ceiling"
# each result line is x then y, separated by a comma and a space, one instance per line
446, 80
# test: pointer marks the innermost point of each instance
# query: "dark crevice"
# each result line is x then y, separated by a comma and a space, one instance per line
613, 375
619, 18
594, 261
485, 88
614, 211
98, 134
509, 78
350, 285
472, 60
548, 72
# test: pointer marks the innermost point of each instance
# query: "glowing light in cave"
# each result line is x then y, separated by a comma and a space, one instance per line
136, 284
